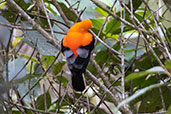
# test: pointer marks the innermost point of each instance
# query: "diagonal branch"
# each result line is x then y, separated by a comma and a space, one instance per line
118, 18
61, 12
108, 92
168, 4
31, 21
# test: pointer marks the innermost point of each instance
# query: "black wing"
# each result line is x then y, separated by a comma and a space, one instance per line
78, 65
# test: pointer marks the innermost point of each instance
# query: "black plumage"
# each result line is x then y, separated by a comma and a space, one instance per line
78, 65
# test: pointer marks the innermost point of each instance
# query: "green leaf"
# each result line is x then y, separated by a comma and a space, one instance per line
43, 21
169, 110
5, 32
63, 80
23, 87
108, 99
91, 68
101, 11
23, 4
16, 69
130, 51
50, 8
137, 94
28, 76
57, 67
156, 69
68, 13
144, 73
15, 112
168, 65
40, 102
140, 83
136, 75
97, 23
56, 28
136, 4
9, 16
110, 41
102, 57
47, 60
147, 60
113, 26
96, 31
28, 111
151, 101
2, 5
105, 2
169, 34
33, 38
38, 69
28, 57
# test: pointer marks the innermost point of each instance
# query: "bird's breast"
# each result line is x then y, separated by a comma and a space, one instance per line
74, 40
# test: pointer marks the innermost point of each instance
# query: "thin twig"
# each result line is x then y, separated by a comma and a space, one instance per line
162, 99
100, 102
30, 20
108, 92
42, 75
118, 18
106, 45
48, 19
61, 12
25, 63
122, 13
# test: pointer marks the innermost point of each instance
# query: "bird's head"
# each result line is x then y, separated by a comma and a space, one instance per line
82, 26
85, 25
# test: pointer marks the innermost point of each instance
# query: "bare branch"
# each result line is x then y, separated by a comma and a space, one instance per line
108, 92
61, 12
30, 20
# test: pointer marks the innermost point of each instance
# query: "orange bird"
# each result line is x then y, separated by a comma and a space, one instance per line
77, 46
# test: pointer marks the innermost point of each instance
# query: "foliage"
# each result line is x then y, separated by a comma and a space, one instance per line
35, 73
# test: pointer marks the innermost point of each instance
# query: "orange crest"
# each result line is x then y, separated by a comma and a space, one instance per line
78, 35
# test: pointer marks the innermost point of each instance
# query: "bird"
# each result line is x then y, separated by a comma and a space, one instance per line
77, 46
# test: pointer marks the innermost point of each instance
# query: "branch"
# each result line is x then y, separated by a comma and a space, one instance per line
27, 28
61, 12
48, 19
31, 21
118, 18
108, 92
44, 73
168, 4
122, 15
106, 45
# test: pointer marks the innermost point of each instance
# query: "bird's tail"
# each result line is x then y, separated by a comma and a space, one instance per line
78, 82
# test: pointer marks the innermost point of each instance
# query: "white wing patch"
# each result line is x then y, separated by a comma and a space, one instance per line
83, 53
68, 53
69, 56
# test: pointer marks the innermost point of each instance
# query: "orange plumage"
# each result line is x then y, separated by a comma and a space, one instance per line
77, 46
78, 35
